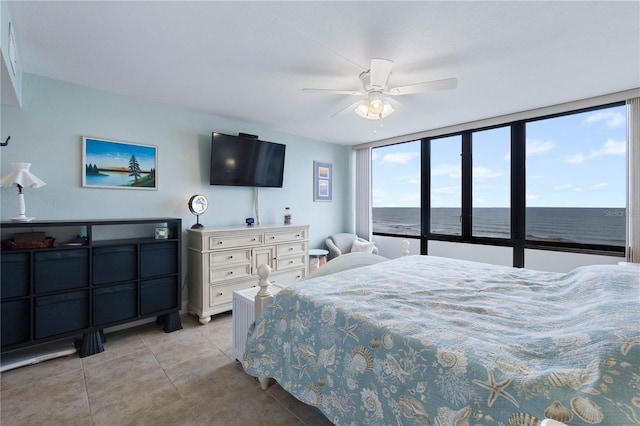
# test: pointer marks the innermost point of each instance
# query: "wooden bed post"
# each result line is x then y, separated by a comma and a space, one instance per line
405, 248
263, 298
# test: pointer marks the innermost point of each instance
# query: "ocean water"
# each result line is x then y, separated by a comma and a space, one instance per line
578, 225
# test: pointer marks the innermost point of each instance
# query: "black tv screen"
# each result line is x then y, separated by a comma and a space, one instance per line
245, 161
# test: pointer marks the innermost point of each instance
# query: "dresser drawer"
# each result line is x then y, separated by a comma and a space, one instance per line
290, 262
288, 277
229, 272
224, 258
218, 242
291, 249
223, 294
288, 235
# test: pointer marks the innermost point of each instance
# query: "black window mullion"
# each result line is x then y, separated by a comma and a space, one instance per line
425, 195
467, 180
518, 192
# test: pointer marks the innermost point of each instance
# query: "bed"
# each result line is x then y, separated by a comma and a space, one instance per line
430, 340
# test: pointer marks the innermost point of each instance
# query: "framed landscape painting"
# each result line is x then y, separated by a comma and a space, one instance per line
119, 165
322, 181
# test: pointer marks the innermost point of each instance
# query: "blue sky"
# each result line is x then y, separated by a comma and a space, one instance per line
115, 154
572, 161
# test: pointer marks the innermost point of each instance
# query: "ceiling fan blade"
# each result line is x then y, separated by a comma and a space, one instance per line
348, 107
333, 91
380, 72
445, 84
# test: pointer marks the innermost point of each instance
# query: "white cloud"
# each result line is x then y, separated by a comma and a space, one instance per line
410, 197
401, 157
485, 173
378, 197
446, 190
599, 186
577, 158
563, 187
611, 147
444, 169
535, 147
612, 119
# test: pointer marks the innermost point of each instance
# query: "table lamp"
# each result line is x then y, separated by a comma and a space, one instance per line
21, 176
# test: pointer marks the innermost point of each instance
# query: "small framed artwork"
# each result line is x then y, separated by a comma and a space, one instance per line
118, 165
162, 233
322, 181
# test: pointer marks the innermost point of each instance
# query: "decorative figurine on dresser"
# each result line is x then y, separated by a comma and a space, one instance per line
223, 260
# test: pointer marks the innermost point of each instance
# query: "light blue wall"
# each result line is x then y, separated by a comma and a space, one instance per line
10, 75
47, 132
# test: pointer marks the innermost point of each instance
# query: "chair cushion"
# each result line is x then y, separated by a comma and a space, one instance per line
362, 246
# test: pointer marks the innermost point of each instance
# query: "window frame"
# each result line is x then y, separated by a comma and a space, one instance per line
517, 239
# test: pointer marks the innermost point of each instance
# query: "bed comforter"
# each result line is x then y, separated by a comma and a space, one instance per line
428, 340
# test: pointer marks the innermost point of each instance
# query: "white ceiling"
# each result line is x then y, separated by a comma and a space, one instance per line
249, 60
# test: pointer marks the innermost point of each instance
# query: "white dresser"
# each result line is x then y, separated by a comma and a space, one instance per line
223, 260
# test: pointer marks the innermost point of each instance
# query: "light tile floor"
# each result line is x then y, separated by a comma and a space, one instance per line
148, 377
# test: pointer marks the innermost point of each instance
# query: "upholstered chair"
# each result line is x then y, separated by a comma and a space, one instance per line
346, 243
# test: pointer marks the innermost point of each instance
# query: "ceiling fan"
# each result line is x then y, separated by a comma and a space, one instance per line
375, 84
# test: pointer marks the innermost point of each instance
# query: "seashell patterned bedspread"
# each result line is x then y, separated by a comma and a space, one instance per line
429, 340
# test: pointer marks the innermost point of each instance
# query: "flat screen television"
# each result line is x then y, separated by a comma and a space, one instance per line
246, 161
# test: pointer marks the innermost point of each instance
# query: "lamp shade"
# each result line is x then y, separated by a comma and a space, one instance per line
365, 109
20, 175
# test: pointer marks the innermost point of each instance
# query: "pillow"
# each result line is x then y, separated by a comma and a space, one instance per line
363, 246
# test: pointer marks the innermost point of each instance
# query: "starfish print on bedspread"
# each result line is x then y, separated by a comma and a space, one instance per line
496, 389
302, 370
348, 330
628, 343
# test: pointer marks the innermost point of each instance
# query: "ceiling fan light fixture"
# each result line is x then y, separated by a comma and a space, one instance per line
376, 103
365, 110
362, 109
